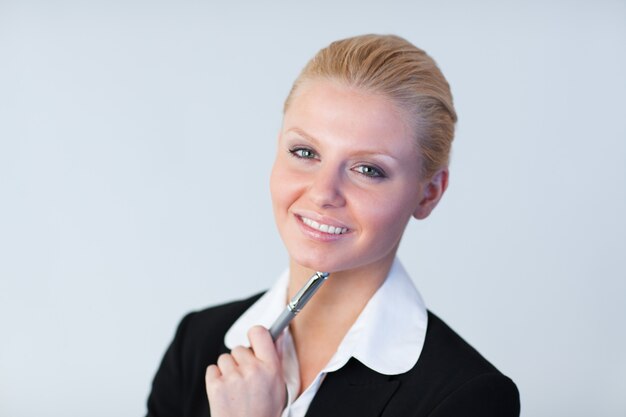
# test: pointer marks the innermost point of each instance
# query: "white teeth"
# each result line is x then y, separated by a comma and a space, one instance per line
333, 230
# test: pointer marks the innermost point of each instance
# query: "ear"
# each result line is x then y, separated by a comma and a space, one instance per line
431, 192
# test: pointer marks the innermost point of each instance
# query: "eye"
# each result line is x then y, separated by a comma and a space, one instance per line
303, 153
370, 171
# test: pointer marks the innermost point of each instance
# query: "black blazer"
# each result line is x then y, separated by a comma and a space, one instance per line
449, 379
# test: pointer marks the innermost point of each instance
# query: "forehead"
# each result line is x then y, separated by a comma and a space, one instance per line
330, 110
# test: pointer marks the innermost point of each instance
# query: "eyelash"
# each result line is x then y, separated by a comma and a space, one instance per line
374, 172
296, 153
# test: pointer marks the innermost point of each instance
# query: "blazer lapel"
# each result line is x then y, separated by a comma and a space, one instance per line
354, 390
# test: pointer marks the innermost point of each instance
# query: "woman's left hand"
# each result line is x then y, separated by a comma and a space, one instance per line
248, 382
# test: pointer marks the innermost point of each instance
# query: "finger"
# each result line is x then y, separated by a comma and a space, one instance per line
242, 355
212, 373
226, 363
263, 346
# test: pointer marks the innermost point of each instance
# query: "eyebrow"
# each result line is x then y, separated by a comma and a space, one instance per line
360, 153
303, 133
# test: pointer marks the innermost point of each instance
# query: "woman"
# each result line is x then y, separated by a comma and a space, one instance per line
363, 147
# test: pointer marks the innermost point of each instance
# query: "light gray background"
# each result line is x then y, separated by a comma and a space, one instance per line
136, 140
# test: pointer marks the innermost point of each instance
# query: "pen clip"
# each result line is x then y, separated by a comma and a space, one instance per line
306, 292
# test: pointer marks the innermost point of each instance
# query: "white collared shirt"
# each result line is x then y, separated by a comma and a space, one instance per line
387, 337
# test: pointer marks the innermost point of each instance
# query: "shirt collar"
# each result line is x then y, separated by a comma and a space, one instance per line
387, 337
263, 312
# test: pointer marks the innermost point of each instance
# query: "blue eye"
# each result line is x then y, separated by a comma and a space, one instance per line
370, 171
303, 153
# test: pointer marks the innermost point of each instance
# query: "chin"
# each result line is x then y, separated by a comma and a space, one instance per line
314, 264
324, 263
317, 262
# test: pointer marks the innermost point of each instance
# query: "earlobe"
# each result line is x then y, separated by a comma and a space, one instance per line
431, 193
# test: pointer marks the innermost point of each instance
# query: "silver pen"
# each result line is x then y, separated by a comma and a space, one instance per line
297, 303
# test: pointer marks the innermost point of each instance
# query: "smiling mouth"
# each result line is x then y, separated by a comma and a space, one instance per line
325, 228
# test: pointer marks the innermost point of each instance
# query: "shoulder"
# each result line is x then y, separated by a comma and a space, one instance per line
204, 330
452, 378
199, 338
220, 315
443, 347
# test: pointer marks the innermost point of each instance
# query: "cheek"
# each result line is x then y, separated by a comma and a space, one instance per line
276, 188
385, 220
282, 187
385, 216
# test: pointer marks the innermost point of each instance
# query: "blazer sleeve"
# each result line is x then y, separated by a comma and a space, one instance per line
166, 397
486, 395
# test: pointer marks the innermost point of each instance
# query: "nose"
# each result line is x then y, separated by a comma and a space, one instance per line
326, 189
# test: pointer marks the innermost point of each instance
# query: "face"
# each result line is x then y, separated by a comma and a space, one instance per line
346, 178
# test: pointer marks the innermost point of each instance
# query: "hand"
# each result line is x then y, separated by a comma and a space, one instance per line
248, 382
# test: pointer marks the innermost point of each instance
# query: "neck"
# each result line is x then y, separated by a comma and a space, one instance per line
339, 301
320, 327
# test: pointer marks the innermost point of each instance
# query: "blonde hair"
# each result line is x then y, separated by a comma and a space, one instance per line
392, 66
